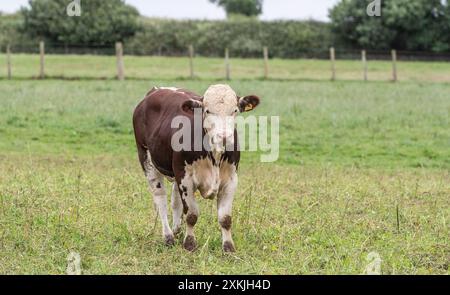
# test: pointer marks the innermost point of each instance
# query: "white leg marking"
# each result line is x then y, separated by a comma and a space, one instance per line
193, 212
224, 211
177, 209
156, 183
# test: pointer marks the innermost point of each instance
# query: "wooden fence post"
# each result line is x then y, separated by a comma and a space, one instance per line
42, 59
364, 61
394, 65
8, 61
266, 62
227, 64
191, 61
333, 63
120, 64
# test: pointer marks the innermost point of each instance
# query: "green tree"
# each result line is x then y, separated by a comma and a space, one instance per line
241, 7
404, 24
101, 22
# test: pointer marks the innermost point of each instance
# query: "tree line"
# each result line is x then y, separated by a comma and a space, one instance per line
416, 25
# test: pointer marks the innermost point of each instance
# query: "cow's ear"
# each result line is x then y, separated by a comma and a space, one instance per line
248, 103
190, 105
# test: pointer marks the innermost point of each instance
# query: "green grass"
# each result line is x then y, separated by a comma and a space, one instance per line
96, 67
345, 123
351, 154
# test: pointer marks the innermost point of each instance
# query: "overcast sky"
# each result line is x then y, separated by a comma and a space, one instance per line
203, 9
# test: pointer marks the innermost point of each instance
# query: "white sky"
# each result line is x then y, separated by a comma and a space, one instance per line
203, 9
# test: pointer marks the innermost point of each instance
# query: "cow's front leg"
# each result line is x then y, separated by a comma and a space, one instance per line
190, 207
156, 183
224, 212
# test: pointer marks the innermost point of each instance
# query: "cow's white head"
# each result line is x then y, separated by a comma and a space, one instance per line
220, 106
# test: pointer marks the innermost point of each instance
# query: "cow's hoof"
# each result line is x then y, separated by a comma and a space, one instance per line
228, 247
169, 240
189, 243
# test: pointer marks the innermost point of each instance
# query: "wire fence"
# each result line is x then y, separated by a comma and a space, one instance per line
60, 61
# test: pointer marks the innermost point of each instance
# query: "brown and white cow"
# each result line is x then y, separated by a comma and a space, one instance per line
212, 170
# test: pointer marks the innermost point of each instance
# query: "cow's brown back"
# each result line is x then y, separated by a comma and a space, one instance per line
152, 125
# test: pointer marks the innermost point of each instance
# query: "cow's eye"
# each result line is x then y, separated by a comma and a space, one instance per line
208, 112
236, 110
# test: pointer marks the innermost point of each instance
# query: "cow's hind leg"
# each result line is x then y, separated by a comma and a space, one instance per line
224, 210
156, 183
177, 209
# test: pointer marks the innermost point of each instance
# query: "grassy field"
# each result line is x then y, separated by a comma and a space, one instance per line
92, 67
364, 167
